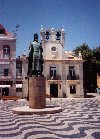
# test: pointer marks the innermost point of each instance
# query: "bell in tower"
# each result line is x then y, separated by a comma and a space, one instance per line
47, 35
58, 35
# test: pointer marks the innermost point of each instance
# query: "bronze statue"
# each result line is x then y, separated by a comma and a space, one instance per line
35, 58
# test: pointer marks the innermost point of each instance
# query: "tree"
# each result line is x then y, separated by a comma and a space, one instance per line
89, 67
96, 53
85, 51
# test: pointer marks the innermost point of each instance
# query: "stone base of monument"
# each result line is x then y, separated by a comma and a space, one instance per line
37, 99
29, 111
37, 92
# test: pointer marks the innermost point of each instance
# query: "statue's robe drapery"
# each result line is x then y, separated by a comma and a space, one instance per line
30, 59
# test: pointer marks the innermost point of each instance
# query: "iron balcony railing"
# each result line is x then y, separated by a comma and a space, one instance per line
57, 77
76, 77
10, 57
5, 74
18, 75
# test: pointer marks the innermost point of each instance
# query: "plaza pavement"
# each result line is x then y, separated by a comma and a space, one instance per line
80, 119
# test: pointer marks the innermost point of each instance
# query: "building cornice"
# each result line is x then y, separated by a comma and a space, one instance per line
5, 38
67, 60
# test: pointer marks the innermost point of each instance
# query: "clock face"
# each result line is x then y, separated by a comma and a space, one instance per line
53, 48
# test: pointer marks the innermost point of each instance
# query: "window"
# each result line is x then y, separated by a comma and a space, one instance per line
52, 71
71, 71
18, 68
6, 51
6, 71
72, 89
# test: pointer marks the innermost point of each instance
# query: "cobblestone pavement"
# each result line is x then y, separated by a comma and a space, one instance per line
80, 118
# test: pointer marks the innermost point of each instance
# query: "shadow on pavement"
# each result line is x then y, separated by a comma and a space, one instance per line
90, 95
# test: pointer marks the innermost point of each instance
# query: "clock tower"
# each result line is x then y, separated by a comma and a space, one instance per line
53, 41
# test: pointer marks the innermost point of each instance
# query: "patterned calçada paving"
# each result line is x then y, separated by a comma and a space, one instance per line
80, 118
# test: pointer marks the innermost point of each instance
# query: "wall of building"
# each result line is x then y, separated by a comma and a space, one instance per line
61, 61
8, 62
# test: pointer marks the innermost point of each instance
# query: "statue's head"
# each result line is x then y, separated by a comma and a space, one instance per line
36, 37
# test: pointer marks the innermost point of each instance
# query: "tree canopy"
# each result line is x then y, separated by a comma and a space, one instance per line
91, 65
89, 55
96, 54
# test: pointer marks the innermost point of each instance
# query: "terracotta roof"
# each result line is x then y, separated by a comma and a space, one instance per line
6, 32
1, 27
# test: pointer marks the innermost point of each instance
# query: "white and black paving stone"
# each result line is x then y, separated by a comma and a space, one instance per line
79, 119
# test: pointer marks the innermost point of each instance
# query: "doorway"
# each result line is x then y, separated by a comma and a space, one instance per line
54, 90
5, 91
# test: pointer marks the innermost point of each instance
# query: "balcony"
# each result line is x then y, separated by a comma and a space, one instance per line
76, 77
5, 76
57, 77
19, 76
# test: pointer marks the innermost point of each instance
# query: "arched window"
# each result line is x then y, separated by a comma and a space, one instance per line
58, 35
6, 51
47, 35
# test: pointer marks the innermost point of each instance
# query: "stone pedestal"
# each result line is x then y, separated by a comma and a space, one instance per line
25, 88
37, 92
12, 91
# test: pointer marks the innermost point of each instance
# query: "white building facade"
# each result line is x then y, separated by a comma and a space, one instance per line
62, 70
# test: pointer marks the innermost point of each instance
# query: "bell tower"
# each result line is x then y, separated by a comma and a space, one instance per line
53, 42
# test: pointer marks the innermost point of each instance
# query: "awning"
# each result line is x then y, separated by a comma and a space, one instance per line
4, 86
18, 85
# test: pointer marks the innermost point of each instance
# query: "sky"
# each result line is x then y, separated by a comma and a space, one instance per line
80, 18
